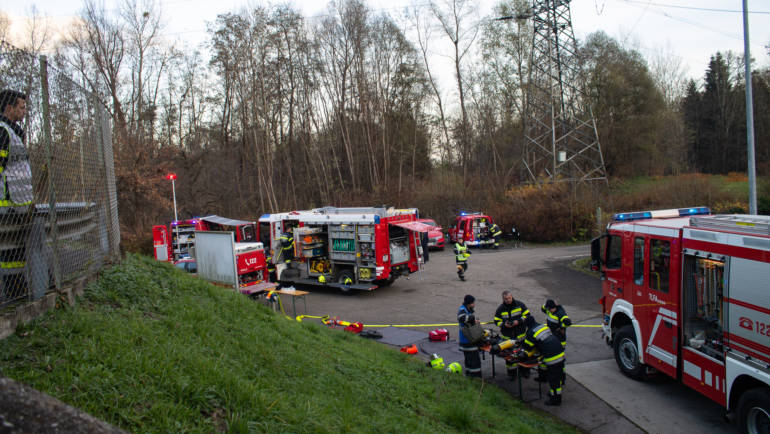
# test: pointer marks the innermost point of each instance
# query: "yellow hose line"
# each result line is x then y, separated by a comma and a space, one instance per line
326, 318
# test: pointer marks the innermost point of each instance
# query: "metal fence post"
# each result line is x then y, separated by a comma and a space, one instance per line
54, 233
105, 150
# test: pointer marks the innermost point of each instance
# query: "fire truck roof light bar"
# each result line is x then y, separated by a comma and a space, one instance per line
663, 213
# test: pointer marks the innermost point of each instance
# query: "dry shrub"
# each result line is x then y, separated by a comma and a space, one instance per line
737, 177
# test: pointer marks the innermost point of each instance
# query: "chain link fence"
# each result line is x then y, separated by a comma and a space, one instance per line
58, 210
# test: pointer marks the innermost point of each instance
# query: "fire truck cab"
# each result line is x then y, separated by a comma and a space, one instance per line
472, 227
346, 248
686, 293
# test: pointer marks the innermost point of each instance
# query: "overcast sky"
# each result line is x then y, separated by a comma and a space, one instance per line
691, 30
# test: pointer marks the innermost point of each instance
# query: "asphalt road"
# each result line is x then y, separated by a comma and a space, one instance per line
597, 398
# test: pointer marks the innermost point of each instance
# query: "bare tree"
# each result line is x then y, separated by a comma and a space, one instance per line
454, 17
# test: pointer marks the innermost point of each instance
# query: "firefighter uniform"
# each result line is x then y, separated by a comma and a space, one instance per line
17, 196
273, 277
558, 321
509, 313
287, 246
466, 318
539, 338
461, 258
496, 233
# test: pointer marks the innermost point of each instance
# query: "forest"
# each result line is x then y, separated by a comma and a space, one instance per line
279, 111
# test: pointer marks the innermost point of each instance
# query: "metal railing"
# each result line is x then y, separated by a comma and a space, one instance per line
71, 226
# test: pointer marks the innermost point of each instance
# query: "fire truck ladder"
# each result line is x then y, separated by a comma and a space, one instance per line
749, 224
561, 141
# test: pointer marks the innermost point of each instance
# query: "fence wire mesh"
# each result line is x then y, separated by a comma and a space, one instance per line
58, 210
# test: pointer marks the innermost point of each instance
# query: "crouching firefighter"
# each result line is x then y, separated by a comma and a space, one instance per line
539, 338
466, 318
462, 253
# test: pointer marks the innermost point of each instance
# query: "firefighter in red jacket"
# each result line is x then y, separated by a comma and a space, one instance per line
511, 317
539, 338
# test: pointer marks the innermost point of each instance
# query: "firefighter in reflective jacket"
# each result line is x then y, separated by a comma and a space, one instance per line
540, 339
466, 318
287, 246
496, 233
17, 193
462, 253
511, 317
273, 277
558, 321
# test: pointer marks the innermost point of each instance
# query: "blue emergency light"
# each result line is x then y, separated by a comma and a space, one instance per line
628, 216
699, 210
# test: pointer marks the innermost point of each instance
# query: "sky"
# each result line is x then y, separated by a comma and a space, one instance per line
689, 30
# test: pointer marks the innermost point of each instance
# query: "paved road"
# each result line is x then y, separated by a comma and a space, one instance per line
597, 398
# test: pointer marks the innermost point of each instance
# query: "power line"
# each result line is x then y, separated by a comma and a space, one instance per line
695, 8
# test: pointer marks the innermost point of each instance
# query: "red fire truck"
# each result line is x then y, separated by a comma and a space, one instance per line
686, 293
473, 227
346, 248
179, 242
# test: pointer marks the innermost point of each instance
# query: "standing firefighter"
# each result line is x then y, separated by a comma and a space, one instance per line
558, 321
511, 317
17, 191
495, 233
539, 338
466, 318
462, 253
287, 245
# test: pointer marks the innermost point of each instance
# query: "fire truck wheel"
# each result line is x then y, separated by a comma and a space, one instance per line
345, 276
754, 411
627, 353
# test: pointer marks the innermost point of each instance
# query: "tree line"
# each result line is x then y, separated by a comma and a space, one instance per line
282, 111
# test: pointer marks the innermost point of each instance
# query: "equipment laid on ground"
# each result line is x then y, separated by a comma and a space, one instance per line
346, 248
473, 228
439, 335
686, 293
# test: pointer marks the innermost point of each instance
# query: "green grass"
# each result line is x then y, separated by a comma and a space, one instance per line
584, 266
150, 349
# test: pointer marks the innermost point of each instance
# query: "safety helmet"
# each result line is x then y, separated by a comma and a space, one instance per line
322, 279
436, 362
454, 368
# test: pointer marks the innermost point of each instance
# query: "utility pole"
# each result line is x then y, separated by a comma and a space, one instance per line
561, 140
749, 114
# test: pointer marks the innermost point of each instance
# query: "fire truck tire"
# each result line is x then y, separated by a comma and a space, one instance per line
754, 411
627, 353
342, 276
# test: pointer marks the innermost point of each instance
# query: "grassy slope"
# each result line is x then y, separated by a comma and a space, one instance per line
151, 349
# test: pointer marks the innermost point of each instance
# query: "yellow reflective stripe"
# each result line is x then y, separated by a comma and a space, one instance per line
526, 341
525, 313
3, 154
551, 359
540, 330
9, 203
2, 169
13, 264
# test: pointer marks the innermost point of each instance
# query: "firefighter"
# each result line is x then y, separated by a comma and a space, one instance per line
511, 317
466, 318
496, 233
558, 321
273, 277
461, 257
17, 193
287, 245
540, 339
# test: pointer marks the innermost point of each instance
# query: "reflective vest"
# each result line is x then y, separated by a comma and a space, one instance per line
17, 174
461, 252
